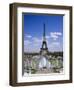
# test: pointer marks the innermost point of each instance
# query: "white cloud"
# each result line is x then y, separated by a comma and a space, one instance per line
56, 43
55, 46
47, 37
27, 42
28, 36
37, 40
32, 45
55, 35
58, 33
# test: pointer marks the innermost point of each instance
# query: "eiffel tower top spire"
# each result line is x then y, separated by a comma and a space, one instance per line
44, 35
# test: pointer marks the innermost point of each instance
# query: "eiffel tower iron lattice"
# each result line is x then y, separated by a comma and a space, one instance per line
44, 48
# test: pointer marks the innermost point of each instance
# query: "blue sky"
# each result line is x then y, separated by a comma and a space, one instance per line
33, 32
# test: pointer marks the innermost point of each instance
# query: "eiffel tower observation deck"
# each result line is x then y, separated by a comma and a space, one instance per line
44, 48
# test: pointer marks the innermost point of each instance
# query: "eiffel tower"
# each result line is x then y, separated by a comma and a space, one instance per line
44, 48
